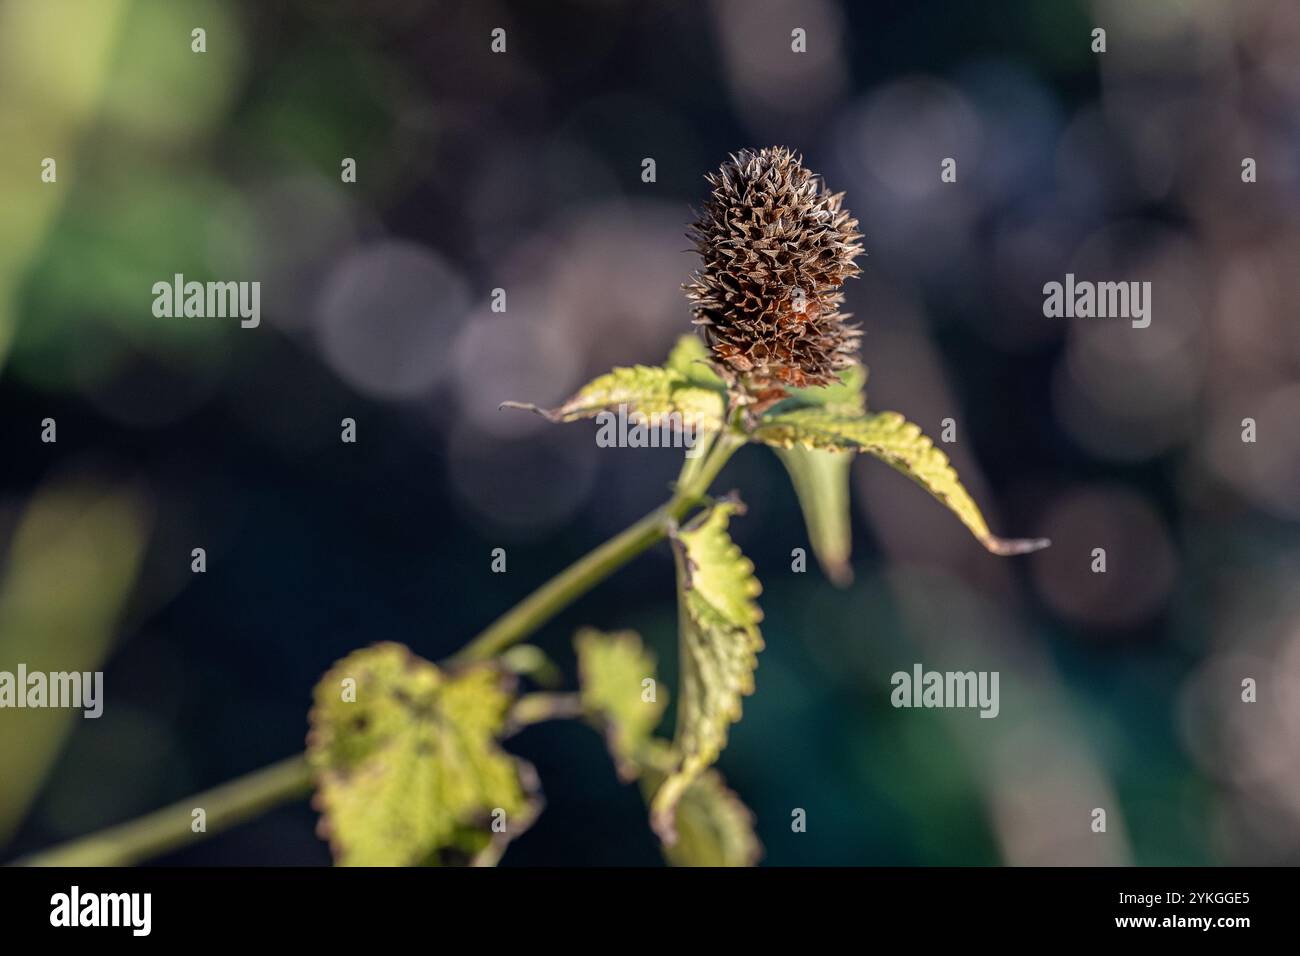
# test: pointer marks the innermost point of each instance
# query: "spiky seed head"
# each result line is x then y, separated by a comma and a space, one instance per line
776, 246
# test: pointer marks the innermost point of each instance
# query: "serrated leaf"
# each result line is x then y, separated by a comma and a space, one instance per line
893, 439
409, 771
821, 483
719, 644
612, 669
648, 394
714, 827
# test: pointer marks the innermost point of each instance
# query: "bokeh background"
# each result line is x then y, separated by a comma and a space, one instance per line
523, 171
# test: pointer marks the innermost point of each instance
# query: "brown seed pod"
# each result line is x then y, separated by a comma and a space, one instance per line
776, 247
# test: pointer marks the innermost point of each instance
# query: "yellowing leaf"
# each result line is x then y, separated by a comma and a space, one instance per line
407, 765
714, 828
686, 387
891, 438
651, 391
648, 394
613, 669
719, 637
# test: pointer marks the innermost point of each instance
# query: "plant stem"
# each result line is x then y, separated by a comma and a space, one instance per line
252, 794
540, 707
575, 580
166, 829
588, 571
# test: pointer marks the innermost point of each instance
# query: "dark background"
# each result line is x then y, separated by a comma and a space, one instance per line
523, 171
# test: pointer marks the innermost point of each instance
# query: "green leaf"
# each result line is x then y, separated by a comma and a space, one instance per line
821, 482
720, 640
612, 669
529, 660
821, 478
407, 765
74, 559
891, 438
846, 397
714, 827
690, 359
687, 387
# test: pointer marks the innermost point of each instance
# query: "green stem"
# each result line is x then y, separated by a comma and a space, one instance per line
254, 793
581, 576
171, 827
540, 707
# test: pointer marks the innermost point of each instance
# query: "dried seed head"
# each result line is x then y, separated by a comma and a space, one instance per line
776, 247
